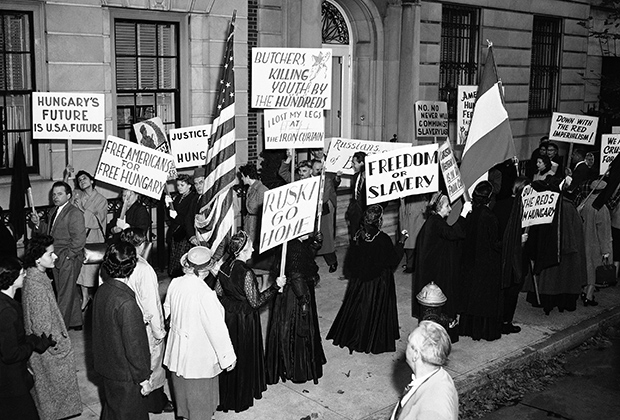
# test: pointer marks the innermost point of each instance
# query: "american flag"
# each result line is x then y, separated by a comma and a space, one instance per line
217, 221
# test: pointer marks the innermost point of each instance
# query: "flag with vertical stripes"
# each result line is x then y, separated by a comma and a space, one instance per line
489, 140
215, 223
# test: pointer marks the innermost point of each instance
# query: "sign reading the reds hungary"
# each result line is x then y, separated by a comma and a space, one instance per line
58, 115
538, 207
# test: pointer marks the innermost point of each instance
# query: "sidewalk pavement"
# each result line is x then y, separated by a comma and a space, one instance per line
366, 387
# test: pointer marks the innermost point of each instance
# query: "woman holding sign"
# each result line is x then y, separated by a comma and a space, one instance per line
182, 211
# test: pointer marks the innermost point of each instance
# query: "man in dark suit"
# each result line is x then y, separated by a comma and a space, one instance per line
66, 225
357, 205
431, 394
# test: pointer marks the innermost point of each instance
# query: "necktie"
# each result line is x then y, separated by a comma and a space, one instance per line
52, 219
399, 406
359, 186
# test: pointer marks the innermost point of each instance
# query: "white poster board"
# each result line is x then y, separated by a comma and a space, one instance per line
291, 78
538, 207
431, 119
79, 116
189, 145
294, 128
401, 173
289, 212
610, 147
573, 128
464, 111
340, 152
451, 172
134, 167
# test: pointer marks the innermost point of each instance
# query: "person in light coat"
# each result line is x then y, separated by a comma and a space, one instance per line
199, 346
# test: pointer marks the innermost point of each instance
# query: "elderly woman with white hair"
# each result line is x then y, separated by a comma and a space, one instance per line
199, 347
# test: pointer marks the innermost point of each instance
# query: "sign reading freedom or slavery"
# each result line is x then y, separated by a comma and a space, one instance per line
450, 171
134, 167
431, 119
340, 152
189, 145
67, 115
401, 172
610, 146
291, 78
289, 212
294, 129
464, 111
538, 207
573, 128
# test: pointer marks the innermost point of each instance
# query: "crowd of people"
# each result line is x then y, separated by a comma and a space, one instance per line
207, 332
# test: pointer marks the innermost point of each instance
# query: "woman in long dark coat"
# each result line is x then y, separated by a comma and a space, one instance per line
294, 350
439, 255
367, 321
481, 301
181, 223
238, 291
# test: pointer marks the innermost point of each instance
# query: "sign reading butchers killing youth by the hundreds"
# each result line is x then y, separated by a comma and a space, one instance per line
289, 212
610, 147
134, 167
573, 128
189, 145
340, 152
291, 78
450, 171
538, 207
431, 119
294, 128
401, 172
58, 115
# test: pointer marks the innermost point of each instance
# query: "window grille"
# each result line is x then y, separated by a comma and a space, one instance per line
545, 67
334, 26
459, 52
147, 74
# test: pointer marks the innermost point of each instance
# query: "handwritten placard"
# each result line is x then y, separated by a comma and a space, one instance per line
294, 128
291, 78
401, 172
610, 147
58, 115
450, 171
464, 111
289, 212
573, 128
340, 152
538, 207
138, 168
189, 145
431, 119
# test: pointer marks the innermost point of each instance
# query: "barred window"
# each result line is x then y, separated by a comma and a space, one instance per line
17, 82
147, 74
459, 52
334, 27
545, 66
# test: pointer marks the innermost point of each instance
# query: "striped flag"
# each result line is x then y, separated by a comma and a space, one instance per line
20, 184
215, 223
489, 140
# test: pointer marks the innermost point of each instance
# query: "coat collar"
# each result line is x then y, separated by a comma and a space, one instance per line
120, 286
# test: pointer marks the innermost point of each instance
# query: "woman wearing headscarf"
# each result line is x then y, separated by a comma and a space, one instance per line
182, 211
56, 391
481, 301
294, 350
199, 347
238, 291
367, 321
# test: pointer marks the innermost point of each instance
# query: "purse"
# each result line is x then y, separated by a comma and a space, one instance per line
94, 253
606, 274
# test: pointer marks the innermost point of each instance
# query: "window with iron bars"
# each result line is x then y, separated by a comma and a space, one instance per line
17, 82
459, 52
545, 66
147, 72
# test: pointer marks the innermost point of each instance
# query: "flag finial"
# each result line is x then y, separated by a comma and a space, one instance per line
489, 44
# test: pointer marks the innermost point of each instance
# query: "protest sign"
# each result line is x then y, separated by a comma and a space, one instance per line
291, 78
138, 168
294, 128
538, 207
573, 128
289, 212
431, 119
450, 171
464, 111
151, 133
340, 152
610, 146
401, 172
58, 115
189, 145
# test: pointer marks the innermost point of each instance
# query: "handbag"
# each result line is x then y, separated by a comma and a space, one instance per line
94, 253
606, 274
